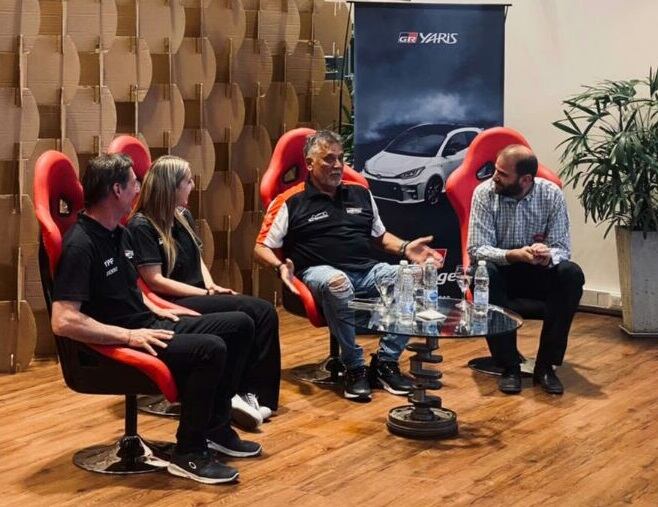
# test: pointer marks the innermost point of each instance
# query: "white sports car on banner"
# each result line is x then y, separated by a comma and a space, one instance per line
415, 165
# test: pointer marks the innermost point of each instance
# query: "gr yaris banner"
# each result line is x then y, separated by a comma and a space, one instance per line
428, 79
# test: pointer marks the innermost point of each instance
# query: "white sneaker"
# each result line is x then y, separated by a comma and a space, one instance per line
266, 412
244, 413
252, 400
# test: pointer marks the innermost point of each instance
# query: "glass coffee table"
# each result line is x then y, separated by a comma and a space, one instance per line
425, 416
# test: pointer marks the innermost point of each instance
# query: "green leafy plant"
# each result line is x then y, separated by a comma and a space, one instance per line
612, 151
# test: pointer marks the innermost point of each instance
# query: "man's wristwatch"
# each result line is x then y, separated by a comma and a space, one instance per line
403, 248
277, 269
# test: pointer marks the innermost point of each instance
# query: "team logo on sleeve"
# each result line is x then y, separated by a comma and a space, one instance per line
129, 254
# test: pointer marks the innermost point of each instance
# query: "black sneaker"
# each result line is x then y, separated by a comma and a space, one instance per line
228, 442
357, 386
201, 467
387, 374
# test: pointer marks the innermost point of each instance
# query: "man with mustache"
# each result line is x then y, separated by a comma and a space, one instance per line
520, 227
326, 228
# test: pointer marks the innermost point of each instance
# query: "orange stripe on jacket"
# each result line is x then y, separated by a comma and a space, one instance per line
274, 208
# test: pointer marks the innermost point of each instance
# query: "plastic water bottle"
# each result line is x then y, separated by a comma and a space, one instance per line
430, 281
417, 274
481, 293
406, 301
398, 281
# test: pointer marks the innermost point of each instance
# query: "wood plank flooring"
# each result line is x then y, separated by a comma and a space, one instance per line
596, 445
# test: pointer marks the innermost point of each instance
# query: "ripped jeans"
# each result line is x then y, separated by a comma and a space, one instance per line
333, 289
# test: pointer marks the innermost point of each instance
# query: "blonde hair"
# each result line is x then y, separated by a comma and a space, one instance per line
157, 202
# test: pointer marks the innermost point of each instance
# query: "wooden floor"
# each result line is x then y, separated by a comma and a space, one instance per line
596, 445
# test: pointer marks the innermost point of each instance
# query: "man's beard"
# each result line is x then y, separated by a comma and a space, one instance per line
511, 190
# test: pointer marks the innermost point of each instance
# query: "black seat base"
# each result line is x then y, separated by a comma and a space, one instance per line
158, 405
328, 372
487, 366
129, 455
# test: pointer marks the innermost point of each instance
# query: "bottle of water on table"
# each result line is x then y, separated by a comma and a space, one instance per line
406, 297
398, 281
481, 292
430, 281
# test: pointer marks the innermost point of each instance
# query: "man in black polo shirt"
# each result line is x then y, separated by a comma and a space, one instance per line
326, 228
96, 300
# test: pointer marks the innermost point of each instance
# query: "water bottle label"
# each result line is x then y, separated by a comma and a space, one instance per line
432, 296
481, 298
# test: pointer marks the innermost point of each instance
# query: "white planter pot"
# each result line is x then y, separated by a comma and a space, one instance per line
638, 280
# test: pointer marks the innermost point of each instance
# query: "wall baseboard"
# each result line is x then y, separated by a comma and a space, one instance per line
601, 302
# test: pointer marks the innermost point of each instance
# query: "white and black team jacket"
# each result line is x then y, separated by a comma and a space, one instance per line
313, 229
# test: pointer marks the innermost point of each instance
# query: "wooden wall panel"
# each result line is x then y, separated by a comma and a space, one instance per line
91, 119
183, 75
53, 69
20, 122
18, 18
128, 69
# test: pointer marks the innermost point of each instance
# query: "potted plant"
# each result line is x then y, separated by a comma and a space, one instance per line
611, 157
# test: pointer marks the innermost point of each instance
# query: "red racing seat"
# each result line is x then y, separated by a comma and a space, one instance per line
89, 368
478, 166
286, 169
135, 149
141, 157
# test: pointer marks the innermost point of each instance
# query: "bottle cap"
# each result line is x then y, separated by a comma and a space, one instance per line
482, 263
404, 262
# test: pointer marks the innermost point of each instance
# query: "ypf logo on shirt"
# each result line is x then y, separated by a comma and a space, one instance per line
318, 216
110, 262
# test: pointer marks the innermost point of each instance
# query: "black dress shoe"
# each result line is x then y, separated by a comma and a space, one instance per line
510, 381
548, 380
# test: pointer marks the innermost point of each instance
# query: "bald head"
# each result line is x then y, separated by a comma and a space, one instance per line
520, 158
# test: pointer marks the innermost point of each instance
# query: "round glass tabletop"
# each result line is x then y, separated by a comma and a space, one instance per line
453, 322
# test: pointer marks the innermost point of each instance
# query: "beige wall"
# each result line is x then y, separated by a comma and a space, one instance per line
553, 47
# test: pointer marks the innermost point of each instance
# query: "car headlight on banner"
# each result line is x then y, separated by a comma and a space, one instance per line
412, 173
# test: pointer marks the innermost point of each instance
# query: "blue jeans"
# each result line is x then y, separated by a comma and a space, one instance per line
333, 289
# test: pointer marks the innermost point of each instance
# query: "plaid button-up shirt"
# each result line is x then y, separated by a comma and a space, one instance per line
499, 224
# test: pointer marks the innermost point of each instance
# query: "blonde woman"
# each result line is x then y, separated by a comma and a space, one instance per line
167, 253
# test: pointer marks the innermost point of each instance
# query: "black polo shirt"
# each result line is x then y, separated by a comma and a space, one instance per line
148, 249
314, 229
94, 270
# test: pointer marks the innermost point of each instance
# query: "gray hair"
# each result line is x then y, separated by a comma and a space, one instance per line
321, 137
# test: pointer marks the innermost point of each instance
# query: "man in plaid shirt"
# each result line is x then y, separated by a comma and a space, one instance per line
520, 227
